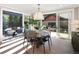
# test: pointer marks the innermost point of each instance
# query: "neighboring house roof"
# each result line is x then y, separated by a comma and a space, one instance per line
50, 17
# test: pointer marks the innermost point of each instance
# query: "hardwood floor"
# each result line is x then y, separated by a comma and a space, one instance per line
15, 46
59, 46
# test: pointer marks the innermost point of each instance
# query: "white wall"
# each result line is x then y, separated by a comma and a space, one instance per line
1, 31
75, 21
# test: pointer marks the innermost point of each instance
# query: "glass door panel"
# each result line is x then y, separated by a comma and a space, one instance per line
63, 24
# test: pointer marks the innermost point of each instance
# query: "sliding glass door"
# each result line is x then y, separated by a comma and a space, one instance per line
64, 24
59, 23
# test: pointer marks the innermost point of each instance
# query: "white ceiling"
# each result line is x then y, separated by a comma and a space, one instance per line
31, 8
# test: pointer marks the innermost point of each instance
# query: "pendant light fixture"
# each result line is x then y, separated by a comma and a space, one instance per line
38, 15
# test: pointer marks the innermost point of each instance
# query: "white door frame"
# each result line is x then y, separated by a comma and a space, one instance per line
69, 22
